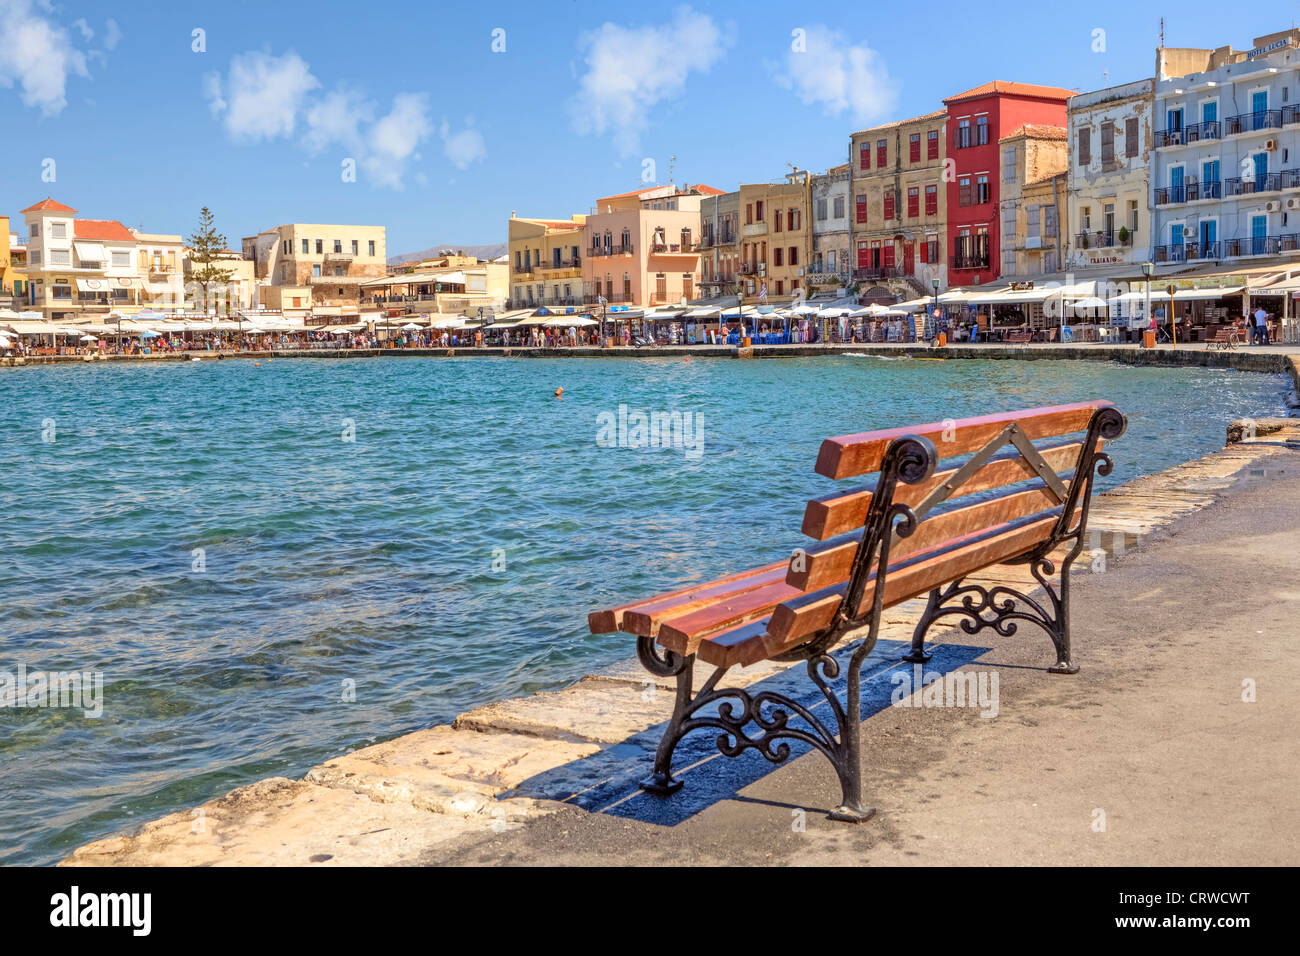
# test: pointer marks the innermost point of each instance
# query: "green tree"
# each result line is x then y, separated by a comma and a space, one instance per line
206, 247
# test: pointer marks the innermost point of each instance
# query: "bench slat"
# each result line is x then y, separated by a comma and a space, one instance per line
846, 510
683, 634
796, 620
863, 453
646, 619
611, 620
831, 562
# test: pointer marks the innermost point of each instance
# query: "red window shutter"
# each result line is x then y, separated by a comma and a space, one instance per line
931, 200
932, 151
882, 154
889, 256
889, 205
914, 148
862, 209
913, 203
925, 253
864, 156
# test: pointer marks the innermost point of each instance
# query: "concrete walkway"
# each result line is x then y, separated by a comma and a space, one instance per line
1150, 755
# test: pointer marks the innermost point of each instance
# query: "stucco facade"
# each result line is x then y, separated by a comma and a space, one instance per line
1032, 200
1110, 139
545, 261
830, 265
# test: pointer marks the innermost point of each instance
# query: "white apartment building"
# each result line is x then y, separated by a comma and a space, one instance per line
1226, 172
90, 267
831, 245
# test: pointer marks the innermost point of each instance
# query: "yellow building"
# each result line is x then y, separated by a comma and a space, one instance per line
331, 260
1033, 200
898, 201
775, 236
545, 261
6, 264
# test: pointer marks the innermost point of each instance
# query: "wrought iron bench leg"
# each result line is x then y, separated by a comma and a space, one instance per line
661, 780
1000, 607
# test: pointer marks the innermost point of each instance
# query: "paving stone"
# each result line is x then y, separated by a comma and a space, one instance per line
281, 822
589, 711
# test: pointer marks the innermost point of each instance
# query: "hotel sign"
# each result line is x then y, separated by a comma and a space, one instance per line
1262, 50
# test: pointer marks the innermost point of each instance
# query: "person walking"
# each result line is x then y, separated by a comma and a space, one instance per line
1260, 332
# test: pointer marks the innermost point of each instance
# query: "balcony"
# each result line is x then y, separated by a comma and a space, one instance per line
612, 298
620, 250
969, 260
1099, 239
1261, 245
1252, 122
1239, 186
1170, 253
752, 268
1290, 114
878, 272
671, 249
1195, 133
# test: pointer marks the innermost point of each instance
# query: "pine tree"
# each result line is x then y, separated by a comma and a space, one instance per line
206, 247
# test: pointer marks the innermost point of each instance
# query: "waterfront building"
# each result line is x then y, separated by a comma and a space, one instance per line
775, 237
1032, 200
976, 120
6, 263
331, 261
900, 206
1110, 149
16, 246
89, 267
545, 257
719, 244
240, 292
1226, 170
829, 266
641, 247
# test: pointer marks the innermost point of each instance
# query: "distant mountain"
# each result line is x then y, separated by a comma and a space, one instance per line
482, 252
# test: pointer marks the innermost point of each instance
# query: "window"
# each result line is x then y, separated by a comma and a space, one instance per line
305, 247
1008, 262
355, 247
288, 248
320, 247
889, 204
58, 230
862, 207
60, 257
882, 153
963, 191
1008, 221
794, 255
1107, 142
914, 148
780, 287
1049, 222
61, 292
121, 258
338, 246
758, 210
982, 131
932, 248
982, 194
838, 207
777, 256
778, 220
36, 229
932, 200
315, 269
1085, 214
913, 202
1085, 145
1132, 215
372, 247
864, 155
962, 134
749, 213
792, 220
1131, 136
932, 145
35, 256
1032, 225
819, 211
1008, 164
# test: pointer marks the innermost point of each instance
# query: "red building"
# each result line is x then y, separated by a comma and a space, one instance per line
977, 119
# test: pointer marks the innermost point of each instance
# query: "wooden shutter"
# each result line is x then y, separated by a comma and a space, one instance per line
1085, 145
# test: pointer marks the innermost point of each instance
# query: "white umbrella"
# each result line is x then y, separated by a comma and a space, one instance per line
89, 338
254, 331
411, 327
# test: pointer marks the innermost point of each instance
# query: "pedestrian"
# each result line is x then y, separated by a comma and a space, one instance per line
1260, 336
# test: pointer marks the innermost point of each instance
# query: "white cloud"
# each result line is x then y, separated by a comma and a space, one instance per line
264, 97
262, 94
86, 32
336, 118
629, 70
112, 34
37, 55
841, 76
462, 148
393, 139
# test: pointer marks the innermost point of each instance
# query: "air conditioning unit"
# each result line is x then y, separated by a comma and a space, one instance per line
762, 268
1293, 203
1273, 205
1270, 144
1189, 232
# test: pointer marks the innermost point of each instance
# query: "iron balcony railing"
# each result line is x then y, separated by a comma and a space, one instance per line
1193, 133
878, 272
611, 298
574, 263
1170, 253
618, 250
1253, 122
970, 260
1240, 186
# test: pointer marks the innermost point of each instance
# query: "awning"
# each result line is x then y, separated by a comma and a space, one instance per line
89, 251
93, 285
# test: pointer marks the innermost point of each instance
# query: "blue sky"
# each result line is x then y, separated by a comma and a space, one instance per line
448, 136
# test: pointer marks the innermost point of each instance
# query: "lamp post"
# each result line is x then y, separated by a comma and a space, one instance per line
1147, 269
934, 282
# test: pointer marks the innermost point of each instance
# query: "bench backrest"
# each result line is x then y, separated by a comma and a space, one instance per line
1033, 471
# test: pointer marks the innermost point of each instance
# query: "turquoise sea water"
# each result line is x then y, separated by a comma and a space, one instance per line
445, 557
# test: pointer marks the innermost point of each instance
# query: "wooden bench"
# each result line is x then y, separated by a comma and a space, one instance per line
1018, 338
1225, 337
879, 544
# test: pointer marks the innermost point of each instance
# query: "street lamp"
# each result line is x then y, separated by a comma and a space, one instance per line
1147, 269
